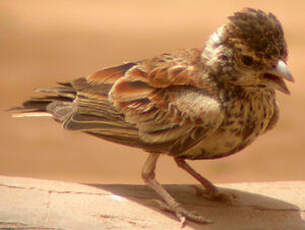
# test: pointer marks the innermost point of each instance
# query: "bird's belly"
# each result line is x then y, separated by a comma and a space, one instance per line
231, 137
228, 139
219, 145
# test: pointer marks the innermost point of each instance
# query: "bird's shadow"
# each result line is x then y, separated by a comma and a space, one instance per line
246, 211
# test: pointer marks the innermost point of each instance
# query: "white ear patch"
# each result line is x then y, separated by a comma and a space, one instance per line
215, 39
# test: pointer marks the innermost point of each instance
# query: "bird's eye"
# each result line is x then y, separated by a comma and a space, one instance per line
247, 60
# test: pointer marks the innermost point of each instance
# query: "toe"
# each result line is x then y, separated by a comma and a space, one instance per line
181, 213
184, 214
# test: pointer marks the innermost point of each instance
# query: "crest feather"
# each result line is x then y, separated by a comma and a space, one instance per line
262, 32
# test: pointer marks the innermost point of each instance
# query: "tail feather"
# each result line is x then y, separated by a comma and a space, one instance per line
64, 92
33, 114
83, 105
57, 103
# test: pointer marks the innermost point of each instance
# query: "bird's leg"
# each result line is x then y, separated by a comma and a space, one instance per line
211, 191
148, 175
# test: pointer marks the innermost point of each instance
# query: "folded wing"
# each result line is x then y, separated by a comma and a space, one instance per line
165, 104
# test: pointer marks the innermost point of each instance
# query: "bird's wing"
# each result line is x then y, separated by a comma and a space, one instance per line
158, 102
92, 110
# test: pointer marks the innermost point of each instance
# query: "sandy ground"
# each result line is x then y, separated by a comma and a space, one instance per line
42, 42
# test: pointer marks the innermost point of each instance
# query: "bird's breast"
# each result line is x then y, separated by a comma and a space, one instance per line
245, 119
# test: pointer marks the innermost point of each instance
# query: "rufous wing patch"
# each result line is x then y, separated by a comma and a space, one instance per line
133, 86
111, 74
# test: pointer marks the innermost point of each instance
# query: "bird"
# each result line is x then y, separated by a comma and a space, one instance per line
189, 104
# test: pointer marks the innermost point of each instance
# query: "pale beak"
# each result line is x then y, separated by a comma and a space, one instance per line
275, 77
282, 70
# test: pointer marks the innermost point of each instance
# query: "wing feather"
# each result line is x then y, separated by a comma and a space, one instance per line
165, 104
168, 102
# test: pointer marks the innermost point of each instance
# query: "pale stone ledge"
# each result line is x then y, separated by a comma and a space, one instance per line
41, 204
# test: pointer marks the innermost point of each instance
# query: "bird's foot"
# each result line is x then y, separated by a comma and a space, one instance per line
182, 214
214, 195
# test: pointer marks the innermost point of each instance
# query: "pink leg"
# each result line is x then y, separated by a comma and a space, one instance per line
211, 191
148, 175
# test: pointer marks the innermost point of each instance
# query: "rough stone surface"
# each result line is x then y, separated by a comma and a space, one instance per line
40, 204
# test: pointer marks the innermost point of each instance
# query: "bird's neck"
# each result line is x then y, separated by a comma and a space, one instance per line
213, 44
217, 57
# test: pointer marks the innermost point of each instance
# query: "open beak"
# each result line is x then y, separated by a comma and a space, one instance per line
277, 75
275, 78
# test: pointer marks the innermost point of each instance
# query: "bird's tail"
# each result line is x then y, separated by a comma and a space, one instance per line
56, 104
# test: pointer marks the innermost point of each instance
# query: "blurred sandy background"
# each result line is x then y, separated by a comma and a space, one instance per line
42, 42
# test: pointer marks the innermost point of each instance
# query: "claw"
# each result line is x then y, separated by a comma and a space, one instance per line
182, 220
182, 214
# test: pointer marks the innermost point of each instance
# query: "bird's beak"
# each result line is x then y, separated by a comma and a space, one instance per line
277, 75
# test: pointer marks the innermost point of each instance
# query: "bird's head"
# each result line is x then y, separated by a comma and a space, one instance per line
250, 51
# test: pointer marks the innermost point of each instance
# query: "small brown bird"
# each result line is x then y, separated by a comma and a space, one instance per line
190, 104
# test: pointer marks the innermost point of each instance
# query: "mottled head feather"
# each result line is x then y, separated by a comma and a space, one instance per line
260, 31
